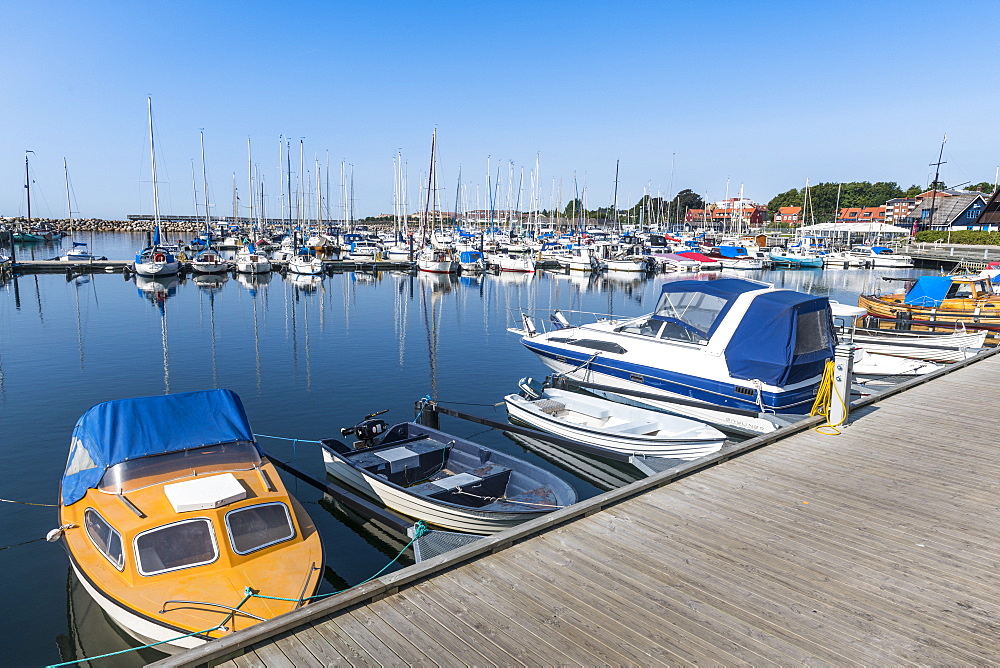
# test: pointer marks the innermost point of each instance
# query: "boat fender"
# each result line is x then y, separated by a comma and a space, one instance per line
159, 257
56, 534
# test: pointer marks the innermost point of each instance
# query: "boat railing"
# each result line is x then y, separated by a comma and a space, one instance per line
237, 611
541, 321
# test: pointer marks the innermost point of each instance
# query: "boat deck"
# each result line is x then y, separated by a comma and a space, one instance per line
877, 546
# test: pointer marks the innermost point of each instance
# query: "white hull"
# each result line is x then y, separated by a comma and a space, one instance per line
411, 505
138, 627
690, 440
209, 267
157, 268
740, 423
309, 267
436, 267
626, 265
932, 348
253, 267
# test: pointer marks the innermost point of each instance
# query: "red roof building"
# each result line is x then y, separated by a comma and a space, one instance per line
791, 215
868, 214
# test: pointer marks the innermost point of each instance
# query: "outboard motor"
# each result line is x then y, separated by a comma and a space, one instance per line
367, 430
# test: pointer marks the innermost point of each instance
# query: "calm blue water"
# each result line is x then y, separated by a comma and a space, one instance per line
307, 356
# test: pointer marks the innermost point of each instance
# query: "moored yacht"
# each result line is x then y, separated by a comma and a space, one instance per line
174, 520
735, 343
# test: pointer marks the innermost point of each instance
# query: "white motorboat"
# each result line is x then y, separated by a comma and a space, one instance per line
879, 256
675, 262
79, 253
249, 261
612, 426
442, 479
733, 343
209, 261
471, 261
582, 259
364, 250
515, 262
632, 263
304, 263
437, 261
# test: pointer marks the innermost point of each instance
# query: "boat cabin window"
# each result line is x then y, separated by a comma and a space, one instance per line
256, 527
179, 545
812, 333
695, 309
106, 539
138, 473
960, 291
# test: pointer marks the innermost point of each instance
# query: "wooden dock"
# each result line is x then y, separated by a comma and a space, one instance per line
877, 546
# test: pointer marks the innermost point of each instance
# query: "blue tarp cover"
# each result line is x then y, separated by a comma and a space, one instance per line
928, 291
470, 256
732, 251
784, 338
117, 431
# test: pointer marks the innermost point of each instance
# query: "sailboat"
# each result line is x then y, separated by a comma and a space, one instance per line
249, 261
436, 258
207, 260
155, 259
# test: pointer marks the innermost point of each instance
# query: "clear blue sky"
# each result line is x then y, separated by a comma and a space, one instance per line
764, 95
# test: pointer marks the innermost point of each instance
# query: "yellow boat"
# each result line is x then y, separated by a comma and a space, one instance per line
175, 522
939, 303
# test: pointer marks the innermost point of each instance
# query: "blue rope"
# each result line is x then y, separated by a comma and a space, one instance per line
423, 402
282, 438
419, 530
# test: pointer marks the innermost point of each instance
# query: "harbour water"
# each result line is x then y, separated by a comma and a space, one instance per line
307, 355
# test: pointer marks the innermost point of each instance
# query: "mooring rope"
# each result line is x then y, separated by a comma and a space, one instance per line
419, 530
28, 503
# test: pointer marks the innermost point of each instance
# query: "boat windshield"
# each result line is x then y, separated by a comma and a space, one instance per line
138, 473
178, 545
256, 527
696, 310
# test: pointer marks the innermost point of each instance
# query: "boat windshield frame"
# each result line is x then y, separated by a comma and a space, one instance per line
690, 310
135, 474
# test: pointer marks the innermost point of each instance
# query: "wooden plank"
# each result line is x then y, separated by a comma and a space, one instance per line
848, 596
602, 628
322, 649
274, 654
346, 624
761, 625
343, 645
396, 642
472, 621
649, 615
535, 627
422, 631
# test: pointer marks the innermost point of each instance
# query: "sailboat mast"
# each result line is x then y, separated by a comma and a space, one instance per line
250, 180
204, 180
69, 204
27, 186
152, 160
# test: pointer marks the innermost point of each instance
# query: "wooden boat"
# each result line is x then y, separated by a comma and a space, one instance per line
939, 303
169, 512
443, 480
612, 426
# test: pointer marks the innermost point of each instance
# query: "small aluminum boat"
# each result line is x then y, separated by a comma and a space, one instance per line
442, 479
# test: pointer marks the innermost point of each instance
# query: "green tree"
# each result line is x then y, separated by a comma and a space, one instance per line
983, 187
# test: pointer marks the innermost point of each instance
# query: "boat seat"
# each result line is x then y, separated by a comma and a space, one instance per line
635, 427
549, 406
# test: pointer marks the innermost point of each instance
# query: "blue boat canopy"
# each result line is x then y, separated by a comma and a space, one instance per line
732, 251
785, 337
118, 431
470, 256
928, 291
